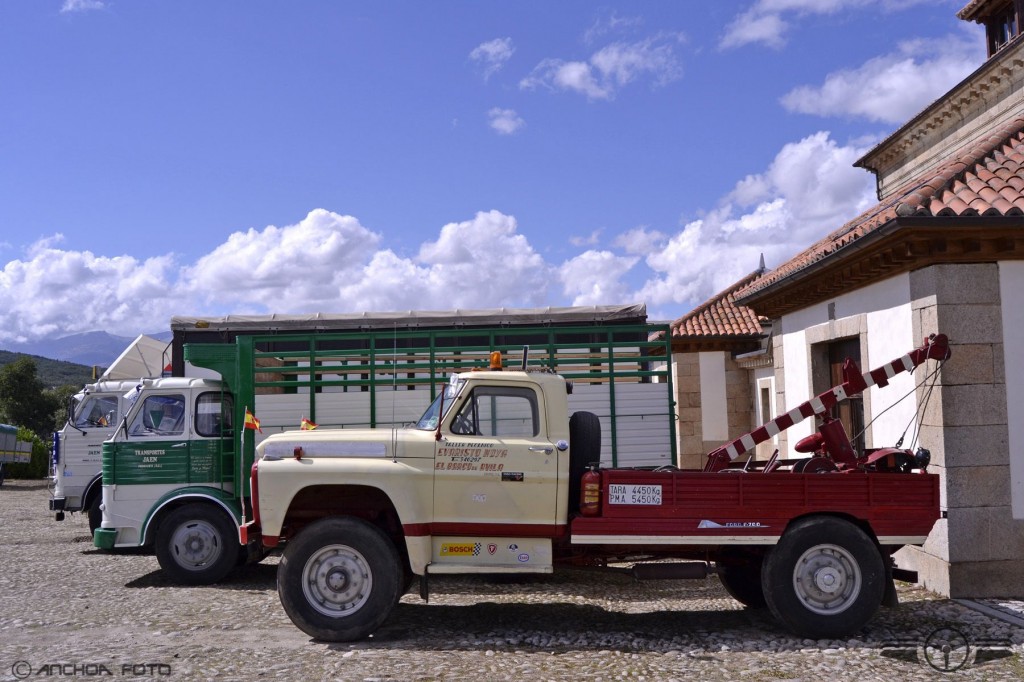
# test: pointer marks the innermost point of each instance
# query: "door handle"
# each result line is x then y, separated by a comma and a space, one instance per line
180, 445
546, 449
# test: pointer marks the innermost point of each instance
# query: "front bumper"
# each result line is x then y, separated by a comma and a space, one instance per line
104, 538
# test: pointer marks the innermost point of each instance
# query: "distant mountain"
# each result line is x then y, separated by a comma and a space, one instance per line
88, 348
52, 373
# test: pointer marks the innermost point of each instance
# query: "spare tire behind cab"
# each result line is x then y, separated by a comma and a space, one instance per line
584, 448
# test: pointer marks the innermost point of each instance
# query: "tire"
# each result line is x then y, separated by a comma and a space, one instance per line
825, 579
408, 579
584, 448
339, 579
95, 515
197, 545
741, 578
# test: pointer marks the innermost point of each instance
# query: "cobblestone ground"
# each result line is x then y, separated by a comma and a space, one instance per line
70, 611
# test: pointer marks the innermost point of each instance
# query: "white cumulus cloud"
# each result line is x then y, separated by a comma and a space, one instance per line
809, 189
595, 278
56, 292
505, 121
493, 55
766, 22
326, 262
610, 69
81, 5
285, 268
893, 87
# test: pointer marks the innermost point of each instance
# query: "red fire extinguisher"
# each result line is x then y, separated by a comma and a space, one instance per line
590, 492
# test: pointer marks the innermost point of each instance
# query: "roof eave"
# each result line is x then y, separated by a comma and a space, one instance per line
900, 245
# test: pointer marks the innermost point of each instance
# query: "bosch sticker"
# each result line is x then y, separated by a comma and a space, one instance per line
460, 549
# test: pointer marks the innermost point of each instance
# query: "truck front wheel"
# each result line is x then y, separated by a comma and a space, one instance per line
825, 578
197, 545
339, 579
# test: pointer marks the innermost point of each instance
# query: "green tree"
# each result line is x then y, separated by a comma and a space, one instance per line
61, 398
23, 401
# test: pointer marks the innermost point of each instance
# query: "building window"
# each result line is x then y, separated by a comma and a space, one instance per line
1003, 25
765, 413
827, 371
766, 404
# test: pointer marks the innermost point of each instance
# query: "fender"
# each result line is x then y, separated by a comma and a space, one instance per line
221, 498
94, 485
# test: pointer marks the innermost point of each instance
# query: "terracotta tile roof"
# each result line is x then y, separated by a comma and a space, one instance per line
983, 178
970, 12
720, 316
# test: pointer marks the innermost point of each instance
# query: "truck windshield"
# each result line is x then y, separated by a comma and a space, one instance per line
96, 410
430, 418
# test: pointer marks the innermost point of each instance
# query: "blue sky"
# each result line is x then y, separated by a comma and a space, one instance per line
204, 158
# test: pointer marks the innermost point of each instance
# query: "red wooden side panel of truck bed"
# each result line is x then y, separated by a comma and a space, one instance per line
697, 508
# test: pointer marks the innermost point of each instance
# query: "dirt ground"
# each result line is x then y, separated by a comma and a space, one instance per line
68, 610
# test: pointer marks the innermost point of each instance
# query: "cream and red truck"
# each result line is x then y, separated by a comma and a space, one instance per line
498, 477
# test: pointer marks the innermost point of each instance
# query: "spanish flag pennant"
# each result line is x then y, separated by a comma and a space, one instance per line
307, 425
251, 422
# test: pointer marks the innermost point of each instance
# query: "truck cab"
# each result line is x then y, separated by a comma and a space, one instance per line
75, 462
169, 478
489, 459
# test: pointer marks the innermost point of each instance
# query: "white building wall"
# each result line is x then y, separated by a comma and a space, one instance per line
890, 335
797, 361
714, 416
1011, 290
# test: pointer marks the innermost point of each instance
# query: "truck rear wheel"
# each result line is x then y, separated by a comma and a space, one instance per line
95, 515
741, 578
339, 579
197, 545
825, 578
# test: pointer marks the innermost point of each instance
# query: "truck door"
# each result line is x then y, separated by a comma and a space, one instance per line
174, 441
495, 470
155, 449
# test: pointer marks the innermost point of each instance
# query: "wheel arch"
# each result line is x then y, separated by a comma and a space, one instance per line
179, 498
860, 523
93, 489
367, 502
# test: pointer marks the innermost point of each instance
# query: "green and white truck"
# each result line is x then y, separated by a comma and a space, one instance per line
176, 471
